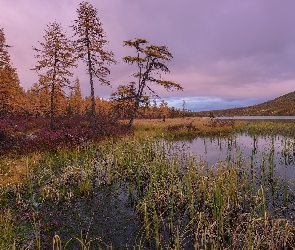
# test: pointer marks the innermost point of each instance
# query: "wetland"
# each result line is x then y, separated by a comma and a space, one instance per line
180, 184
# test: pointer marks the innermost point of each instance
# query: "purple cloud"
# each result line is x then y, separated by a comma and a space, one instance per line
241, 50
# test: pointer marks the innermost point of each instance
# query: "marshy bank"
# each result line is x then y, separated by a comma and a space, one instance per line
143, 193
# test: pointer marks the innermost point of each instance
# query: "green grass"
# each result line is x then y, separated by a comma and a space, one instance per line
146, 188
192, 127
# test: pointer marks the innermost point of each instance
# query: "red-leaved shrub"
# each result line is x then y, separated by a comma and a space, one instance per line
25, 134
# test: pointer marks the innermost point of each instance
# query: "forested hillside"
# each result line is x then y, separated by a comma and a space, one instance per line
283, 105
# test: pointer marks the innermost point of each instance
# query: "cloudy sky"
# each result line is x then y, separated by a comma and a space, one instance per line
228, 53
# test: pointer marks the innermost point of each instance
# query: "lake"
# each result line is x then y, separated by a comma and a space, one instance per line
260, 118
259, 152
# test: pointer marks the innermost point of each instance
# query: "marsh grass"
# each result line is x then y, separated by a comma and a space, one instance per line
192, 127
174, 201
7, 223
184, 128
264, 128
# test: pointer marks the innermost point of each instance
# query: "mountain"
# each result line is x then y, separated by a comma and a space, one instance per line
283, 105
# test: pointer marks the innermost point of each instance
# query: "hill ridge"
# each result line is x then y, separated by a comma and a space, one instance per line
281, 106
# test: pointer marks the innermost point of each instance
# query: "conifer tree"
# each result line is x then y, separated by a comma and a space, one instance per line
164, 109
33, 100
104, 106
151, 62
55, 59
11, 94
44, 94
122, 101
154, 109
76, 102
60, 101
89, 44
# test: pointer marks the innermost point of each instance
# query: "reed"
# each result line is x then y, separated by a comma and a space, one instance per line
177, 202
7, 226
181, 128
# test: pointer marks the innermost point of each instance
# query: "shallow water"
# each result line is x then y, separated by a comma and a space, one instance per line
260, 118
277, 152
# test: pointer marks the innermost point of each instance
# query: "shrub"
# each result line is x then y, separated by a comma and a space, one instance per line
25, 134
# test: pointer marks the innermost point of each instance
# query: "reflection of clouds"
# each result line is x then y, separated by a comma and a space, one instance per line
215, 150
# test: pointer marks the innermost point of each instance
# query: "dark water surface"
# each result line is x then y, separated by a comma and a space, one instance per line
277, 152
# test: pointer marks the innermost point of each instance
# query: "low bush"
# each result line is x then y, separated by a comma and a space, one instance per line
23, 134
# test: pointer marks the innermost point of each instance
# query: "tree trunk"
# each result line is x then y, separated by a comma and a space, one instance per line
91, 86
133, 115
92, 98
52, 108
52, 95
141, 84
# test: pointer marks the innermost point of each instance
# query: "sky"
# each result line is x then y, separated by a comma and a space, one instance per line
226, 54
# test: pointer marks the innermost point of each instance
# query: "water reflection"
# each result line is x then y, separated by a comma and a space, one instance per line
260, 118
259, 153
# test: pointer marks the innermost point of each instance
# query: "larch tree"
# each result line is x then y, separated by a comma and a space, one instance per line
44, 94
76, 101
55, 59
33, 101
61, 101
147, 107
154, 109
151, 62
11, 94
38, 100
122, 103
104, 107
89, 44
164, 109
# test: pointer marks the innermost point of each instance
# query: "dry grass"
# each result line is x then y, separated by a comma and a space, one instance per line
183, 127
13, 174
178, 203
7, 223
159, 123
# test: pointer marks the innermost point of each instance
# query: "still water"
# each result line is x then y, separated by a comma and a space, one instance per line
261, 118
260, 153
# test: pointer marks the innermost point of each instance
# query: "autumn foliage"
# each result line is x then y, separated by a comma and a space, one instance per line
53, 112
20, 134
55, 60
150, 61
89, 45
11, 94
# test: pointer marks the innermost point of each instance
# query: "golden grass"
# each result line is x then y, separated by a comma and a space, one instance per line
14, 174
159, 123
16, 171
145, 127
183, 127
